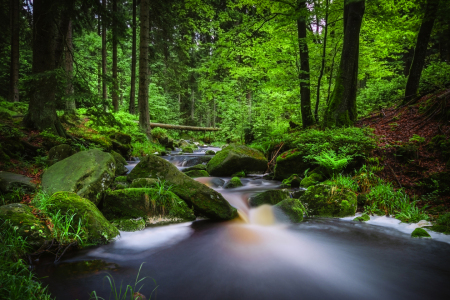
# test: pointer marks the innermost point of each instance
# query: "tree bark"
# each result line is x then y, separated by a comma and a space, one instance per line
341, 110
70, 102
322, 67
192, 104
304, 76
14, 72
115, 91
144, 116
104, 87
42, 108
420, 51
132, 108
99, 66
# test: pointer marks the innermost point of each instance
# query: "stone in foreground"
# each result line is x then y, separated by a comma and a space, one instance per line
291, 162
271, 197
293, 208
205, 200
235, 158
363, 218
87, 173
420, 233
10, 181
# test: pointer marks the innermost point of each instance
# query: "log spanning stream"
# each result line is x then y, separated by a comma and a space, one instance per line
260, 256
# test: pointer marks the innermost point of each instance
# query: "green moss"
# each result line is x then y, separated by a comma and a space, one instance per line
129, 224
196, 167
363, 218
271, 197
291, 162
28, 226
325, 201
120, 179
98, 229
144, 183
293, 208
420, 233
205, 200
235, 158
210, 152
233, 183
197, 173
292, 181
312, 179
187, 149
145, 203
239, 174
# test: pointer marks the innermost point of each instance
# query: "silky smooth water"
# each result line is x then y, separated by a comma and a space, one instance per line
260, 255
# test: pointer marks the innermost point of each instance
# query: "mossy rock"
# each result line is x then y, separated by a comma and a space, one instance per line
196, 167
297, 194
28, 226
197, 173
420, 233
87, 173
144, 183
120, 179
11, 181
363, 218
183, 143
146, 203
98, 229
121, 186
291, 162
324, 201
129, 224
440, 228
187, 149
120, 163
233, 183
312, 179
361, 200
122, 138
271, 197
123, 149
293, 208
293, 181
205, 200
239, 174
59, 153
235, 158
210, 152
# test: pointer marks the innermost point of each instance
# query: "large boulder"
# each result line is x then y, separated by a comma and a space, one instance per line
196, 167
197, 173
87, 173
235, 158
144, 183
206, 201
59, 153
120, 163
293, 208
28, 226
98, 229
291, 162
147, 203
325, 201
271, 197
11, 181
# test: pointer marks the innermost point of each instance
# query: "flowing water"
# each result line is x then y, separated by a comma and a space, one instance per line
261, 255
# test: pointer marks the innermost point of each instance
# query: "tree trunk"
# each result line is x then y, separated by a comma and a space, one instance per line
42, 108
132, 108
70, 102
304, 77
99, 66
192, 104
420, 51
14, 73
324, 49
115, 91
341, 110
104, 87
144, 116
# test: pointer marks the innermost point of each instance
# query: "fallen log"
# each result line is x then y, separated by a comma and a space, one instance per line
182, 127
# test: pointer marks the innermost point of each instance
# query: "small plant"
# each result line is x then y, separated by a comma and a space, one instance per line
417, 138
131, 292
345, 182
393, 126
332, 162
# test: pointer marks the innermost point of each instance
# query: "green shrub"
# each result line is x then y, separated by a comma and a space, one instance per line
345, 182
435, 76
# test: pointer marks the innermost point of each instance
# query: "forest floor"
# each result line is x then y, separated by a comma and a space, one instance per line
413, 144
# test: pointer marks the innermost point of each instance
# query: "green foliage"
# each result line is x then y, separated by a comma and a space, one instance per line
345, 182
17, 282
330, 161
435, 76
417, 138
130, 292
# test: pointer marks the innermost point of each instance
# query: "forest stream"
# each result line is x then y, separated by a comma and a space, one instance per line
260, 255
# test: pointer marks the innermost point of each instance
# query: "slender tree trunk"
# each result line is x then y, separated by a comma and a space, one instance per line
14, 73
132, 108
304, 77
104, 86
42, 108
420, 52
249, 101
192, 104
214, 112
144, 116
341, 110
316, 110
115, 91
70, 102
99, 66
